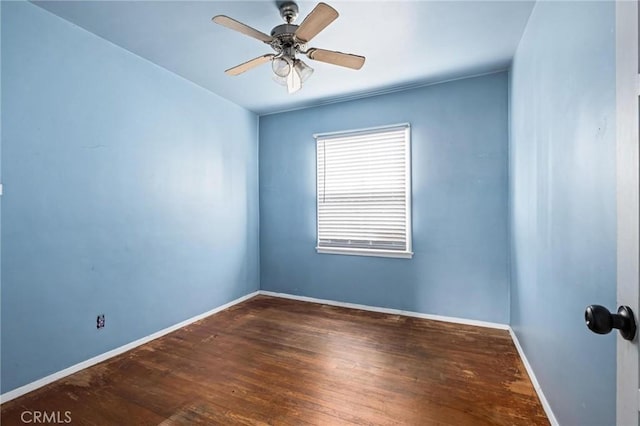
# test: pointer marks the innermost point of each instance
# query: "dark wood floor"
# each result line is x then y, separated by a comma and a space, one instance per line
278, 361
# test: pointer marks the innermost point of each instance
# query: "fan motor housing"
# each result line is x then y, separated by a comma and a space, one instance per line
284, 30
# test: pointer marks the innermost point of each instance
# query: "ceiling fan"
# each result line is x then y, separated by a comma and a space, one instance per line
289, 39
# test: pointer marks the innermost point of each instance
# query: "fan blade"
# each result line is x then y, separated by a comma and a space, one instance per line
231, 23
316, 21
336, 58
239, 69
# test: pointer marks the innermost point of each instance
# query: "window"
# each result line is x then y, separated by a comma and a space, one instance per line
364, 192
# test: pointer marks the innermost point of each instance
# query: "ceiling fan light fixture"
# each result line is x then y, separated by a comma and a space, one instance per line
290, 72
303, 70
281, 66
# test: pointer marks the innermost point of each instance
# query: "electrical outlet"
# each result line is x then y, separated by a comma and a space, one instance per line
100, 321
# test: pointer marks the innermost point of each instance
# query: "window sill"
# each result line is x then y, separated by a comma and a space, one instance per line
365, 252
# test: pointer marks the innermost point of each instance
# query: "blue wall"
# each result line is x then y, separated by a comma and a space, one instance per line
459, 159
562, 190
129, 191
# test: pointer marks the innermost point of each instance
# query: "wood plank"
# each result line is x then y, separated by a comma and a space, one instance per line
278, 361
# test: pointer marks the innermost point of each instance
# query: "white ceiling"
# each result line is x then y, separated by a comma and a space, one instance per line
407, 43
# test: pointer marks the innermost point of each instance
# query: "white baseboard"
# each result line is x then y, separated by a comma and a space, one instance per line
534, 380
8, 396
388, 310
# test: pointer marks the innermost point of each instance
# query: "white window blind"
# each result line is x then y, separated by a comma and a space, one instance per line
364, 192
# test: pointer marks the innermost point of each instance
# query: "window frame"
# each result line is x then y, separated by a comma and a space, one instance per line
356, 251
